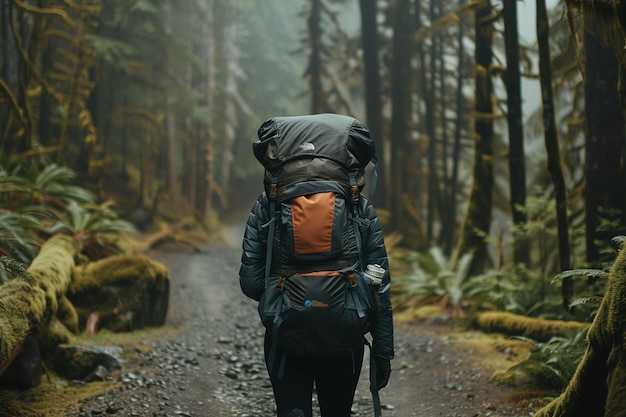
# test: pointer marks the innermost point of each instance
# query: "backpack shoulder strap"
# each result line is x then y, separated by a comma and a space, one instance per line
273, 190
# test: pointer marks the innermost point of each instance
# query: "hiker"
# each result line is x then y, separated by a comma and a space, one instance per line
308, 240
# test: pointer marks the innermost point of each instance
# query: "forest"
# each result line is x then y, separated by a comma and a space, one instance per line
499, 126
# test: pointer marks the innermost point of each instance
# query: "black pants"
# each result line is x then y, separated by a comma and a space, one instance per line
335, 379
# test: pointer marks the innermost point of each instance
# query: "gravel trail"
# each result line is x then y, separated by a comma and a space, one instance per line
213, 366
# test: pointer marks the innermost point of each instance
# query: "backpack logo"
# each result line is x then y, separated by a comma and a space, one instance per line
315, 304
307, 146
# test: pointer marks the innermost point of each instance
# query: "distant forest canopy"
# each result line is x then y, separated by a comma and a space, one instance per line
155, 103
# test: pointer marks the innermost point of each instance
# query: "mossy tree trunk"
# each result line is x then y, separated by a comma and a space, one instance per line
597, 387
449, 226
517, 168
475, 228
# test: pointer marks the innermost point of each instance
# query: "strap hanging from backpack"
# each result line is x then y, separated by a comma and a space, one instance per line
373, 388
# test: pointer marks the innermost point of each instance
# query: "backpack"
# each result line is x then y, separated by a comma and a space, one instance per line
316, 301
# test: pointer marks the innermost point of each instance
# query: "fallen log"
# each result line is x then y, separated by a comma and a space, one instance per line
56, 298
121, 293
29, 305
538, 329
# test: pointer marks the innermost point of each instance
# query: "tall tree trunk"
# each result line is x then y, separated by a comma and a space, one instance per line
191, 156
422, 90
172, 153
202, 82
517, 167
314, 69
231, 56
401, 109
605, 188
476, 225
144, 162
440, 178
449, 222
431, 116
170, 137
555, 166
373, 100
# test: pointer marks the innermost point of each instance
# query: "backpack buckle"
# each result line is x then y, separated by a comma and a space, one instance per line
355, 192
352, 279
354, 188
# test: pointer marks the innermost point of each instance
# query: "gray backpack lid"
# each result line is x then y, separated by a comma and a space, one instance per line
341, 139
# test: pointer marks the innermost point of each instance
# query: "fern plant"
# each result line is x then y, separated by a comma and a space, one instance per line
501, 290
598, 275
432, 278
18, 236
53, 186
96, 227
551, 364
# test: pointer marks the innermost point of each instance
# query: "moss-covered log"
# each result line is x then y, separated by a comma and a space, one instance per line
534, 328
123, 292
598, 388
29, 305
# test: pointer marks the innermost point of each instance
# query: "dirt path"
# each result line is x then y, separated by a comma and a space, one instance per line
213, 366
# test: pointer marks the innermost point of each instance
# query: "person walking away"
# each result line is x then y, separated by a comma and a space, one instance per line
314, 257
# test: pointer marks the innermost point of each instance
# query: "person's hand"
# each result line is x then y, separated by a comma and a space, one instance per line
383, 372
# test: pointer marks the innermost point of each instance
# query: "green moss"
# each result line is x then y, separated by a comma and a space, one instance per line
21, 309
67, 314
26, 305
52, 398
127, 292
598, 387
534, 328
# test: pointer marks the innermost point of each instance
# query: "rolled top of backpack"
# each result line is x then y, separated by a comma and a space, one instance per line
339, 138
